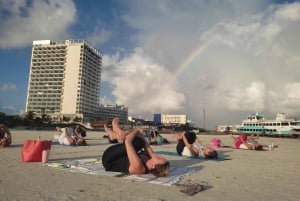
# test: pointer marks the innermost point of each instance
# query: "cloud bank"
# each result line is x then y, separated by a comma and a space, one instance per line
243, 61
24, 21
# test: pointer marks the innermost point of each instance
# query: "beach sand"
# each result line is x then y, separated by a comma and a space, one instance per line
248, 175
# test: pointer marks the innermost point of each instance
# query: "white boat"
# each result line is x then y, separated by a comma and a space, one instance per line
281, 126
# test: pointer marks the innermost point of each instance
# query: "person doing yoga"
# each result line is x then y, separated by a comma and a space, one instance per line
134, 155
189, 145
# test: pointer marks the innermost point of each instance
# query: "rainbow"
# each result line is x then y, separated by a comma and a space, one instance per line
183, 65
205, 40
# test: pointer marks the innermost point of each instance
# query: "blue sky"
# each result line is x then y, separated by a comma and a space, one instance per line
229, 57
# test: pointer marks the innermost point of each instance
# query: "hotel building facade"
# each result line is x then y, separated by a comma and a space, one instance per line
64, 79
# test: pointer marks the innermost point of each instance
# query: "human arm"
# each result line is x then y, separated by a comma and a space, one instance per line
198, 141
191, 147
68, 134
77, 132
135, 164
248, 145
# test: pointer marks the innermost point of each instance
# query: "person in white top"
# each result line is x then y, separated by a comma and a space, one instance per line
67, 136
189, 145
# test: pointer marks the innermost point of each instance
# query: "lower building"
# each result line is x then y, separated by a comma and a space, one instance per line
108, 112
170, 118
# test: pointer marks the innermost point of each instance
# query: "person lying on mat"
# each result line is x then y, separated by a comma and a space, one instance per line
80, 130
156, 138
134, 155
5, 136
67, 136
189, 145
247, 142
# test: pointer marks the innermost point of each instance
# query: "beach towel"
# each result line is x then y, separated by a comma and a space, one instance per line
94, 166
172, 153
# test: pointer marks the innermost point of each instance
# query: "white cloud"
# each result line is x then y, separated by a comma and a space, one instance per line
244, 98
290, 12
24, 22
99, 36
292, 100
243, 57
8, 87
106, 101
142, 85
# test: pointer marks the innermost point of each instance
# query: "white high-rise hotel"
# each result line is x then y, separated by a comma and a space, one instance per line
64, 79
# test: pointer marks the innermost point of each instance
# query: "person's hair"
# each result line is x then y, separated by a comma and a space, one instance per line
78, 128
3, 126
259, 148
161, 170
212, 155
82, 143
3, 143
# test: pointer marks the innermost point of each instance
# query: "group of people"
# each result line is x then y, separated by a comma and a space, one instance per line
132, 152
134, 155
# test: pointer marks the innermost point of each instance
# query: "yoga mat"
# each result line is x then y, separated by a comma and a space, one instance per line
172, 153
94, 166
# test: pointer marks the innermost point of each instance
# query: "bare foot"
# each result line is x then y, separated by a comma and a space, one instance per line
106, 128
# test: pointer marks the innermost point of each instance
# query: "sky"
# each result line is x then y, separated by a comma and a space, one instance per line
225, 57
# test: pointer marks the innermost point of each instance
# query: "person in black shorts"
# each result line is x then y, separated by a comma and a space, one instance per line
133, 155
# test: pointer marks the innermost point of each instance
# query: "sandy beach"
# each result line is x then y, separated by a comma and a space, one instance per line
248, 175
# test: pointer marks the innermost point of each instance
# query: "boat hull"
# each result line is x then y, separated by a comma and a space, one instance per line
281, 126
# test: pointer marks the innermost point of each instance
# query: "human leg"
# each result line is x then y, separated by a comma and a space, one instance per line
111, 134
116, 132
114, 158
114, 136
178, 136
115, 125
179, 147
191, 137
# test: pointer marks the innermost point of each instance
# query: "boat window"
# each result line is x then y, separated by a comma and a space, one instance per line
285, 124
